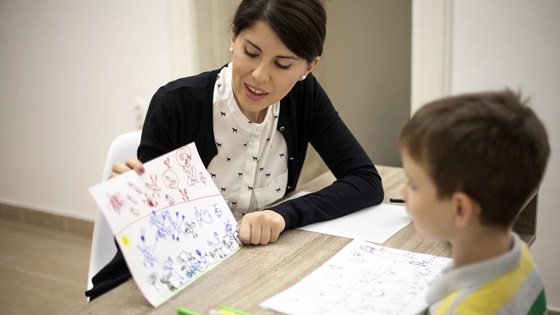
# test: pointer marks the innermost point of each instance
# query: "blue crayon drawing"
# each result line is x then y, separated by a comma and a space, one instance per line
171, 222
202, 216
147, 250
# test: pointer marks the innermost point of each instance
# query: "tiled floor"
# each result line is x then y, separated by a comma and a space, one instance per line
42, 271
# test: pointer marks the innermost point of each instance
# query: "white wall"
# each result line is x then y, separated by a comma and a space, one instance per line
516, 43
70, 74
200, 34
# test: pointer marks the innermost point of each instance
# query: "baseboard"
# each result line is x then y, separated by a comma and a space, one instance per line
46, 220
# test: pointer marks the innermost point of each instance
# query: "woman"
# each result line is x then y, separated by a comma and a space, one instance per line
251, 122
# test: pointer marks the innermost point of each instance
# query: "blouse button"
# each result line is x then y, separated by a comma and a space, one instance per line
282, 128
291, 158
289, 187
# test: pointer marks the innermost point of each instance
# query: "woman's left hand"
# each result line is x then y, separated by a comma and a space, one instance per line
261, 227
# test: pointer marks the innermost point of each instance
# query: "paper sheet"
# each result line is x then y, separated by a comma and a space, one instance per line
362, 278
171, 223
375, 224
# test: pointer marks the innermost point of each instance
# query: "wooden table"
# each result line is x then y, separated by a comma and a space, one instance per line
256, 273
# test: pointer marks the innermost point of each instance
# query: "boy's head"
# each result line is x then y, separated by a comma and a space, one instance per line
489, 146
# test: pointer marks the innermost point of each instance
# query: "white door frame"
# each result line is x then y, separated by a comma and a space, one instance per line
431, 51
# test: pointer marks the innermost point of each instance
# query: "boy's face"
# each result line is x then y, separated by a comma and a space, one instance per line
432, 217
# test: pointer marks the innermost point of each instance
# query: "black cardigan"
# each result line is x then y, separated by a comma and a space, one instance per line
181, 112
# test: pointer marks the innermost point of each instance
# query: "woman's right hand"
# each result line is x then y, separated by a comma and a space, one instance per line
131, 164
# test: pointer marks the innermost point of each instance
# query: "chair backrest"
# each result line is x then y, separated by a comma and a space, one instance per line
102, 245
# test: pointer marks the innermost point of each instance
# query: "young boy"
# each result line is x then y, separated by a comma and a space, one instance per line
473, 161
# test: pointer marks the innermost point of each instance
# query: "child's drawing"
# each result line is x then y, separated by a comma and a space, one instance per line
190, 229
170, 179
184, 157
172, 224
152, 186
116, 202
147, 250
202, 216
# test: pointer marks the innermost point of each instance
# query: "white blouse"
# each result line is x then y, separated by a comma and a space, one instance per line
250, 169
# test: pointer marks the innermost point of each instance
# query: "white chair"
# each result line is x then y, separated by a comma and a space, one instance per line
103, 246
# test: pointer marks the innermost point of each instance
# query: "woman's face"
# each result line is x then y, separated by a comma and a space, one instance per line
264, 70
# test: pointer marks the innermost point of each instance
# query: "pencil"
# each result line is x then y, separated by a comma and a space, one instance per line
184, 311
231, 311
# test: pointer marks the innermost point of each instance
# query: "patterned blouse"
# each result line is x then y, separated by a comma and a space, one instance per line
250, 169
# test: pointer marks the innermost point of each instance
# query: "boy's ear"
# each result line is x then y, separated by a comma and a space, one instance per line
465, 209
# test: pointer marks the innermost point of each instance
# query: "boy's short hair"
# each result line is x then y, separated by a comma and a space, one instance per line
490, 146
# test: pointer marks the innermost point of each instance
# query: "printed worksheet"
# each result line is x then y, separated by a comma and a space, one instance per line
363, 278
171, 222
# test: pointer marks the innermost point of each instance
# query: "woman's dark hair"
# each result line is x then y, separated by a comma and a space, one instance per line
300, 24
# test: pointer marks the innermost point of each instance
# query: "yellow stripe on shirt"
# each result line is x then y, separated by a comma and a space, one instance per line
493, 295
446, 304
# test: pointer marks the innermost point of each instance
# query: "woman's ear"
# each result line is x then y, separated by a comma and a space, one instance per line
233, 38
465, 209
312, 65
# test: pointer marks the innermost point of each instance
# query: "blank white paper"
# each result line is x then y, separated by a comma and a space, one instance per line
375, 224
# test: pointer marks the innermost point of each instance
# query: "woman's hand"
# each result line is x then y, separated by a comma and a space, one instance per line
261, 227
131, 164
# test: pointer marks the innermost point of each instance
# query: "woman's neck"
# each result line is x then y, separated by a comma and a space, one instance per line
256, 117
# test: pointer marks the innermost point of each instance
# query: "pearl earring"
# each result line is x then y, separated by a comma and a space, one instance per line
303, 77
231, 49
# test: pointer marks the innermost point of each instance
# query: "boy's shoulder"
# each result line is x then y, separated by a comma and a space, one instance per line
507, 284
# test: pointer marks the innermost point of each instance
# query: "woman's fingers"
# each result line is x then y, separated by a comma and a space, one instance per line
261, 227
131, 164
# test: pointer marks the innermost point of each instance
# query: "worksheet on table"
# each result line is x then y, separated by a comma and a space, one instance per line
363, 278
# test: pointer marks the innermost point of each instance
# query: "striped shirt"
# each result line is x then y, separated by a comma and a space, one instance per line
508, 284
